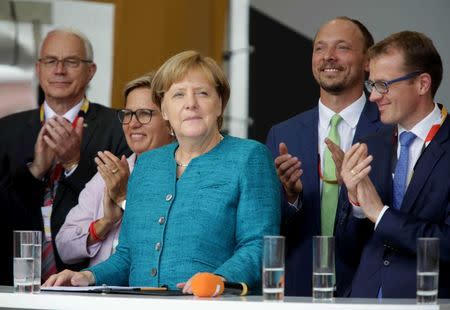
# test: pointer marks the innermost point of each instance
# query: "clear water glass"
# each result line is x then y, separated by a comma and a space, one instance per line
273, 268
323, 268
427, 270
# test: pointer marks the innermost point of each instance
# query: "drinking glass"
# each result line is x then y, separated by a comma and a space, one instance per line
427, 270
37, 261
23, 269
323, 268
273, 268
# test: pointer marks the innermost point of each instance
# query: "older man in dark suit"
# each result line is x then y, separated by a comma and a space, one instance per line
47, 154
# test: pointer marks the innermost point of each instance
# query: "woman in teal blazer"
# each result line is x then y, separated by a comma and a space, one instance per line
202, 204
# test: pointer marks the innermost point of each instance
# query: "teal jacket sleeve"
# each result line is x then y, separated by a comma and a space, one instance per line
258, 214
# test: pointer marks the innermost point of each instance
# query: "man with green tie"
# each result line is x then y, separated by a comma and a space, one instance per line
300, 147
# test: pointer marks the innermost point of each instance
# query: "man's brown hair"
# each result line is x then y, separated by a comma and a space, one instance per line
418, 51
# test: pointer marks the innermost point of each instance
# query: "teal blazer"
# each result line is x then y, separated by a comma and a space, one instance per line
212, 219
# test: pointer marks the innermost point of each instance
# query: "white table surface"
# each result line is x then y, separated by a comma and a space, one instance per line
87, 301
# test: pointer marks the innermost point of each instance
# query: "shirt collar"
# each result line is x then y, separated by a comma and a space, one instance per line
350, 114
69, 115
422, 128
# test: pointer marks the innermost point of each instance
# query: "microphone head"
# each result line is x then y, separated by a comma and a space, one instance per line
205, 284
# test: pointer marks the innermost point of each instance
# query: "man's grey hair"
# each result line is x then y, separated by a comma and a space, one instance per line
87, 44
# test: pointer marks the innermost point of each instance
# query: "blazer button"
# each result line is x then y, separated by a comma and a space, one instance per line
157, 246
161, 220
386, 263
169, 197
78, 231
154, 272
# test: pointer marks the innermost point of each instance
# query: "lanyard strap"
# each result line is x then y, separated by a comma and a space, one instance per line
429, 137
319, 168
83, 110
431, 133
435, 128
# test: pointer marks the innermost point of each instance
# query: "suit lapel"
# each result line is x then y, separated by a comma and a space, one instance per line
382, 177
89, 126
425, 166
368, 122
309, 144
34, 123
34, 126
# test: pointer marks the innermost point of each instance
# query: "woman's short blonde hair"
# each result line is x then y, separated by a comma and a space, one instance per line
176, 68
144, 81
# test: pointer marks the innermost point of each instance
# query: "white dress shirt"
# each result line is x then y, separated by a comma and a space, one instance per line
69, 115
421, 130
346, 129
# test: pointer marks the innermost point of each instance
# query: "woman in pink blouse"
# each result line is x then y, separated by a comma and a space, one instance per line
91, 228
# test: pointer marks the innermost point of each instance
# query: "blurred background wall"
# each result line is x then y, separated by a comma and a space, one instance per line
281, 83
264, 46
129, 37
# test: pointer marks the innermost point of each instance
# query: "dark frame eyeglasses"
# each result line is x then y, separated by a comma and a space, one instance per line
69, 62
382, 87
143, 116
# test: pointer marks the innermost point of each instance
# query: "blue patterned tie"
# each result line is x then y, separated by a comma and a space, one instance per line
401, 170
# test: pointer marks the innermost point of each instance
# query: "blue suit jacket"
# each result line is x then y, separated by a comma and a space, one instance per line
389, 252
300, 134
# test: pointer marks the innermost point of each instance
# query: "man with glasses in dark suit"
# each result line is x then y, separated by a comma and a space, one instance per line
48, 153
398, 180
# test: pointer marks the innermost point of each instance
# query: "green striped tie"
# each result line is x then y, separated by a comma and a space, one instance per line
330, 191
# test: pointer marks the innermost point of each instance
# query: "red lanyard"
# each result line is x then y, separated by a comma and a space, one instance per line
435, 128
319, 168
429, 137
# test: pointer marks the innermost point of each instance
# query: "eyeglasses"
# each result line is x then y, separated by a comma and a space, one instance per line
143, 116
69, 62
382, 87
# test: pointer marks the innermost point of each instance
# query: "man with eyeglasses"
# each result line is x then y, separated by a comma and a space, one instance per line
398, 181
47, 154
306, 157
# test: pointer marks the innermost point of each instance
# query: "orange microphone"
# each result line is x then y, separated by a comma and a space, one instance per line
206, 284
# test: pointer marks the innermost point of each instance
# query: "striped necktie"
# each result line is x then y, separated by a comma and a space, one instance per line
48, 258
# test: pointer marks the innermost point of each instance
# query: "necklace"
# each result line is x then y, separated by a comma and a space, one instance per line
181, 165
185, 165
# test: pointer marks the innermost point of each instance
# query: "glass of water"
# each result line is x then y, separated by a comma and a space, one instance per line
273, 268
37, 261
427, 270
323, 268
23, 269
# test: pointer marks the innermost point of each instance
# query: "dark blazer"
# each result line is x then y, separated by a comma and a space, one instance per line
18, 136
13, 217
389, 252
300, 134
